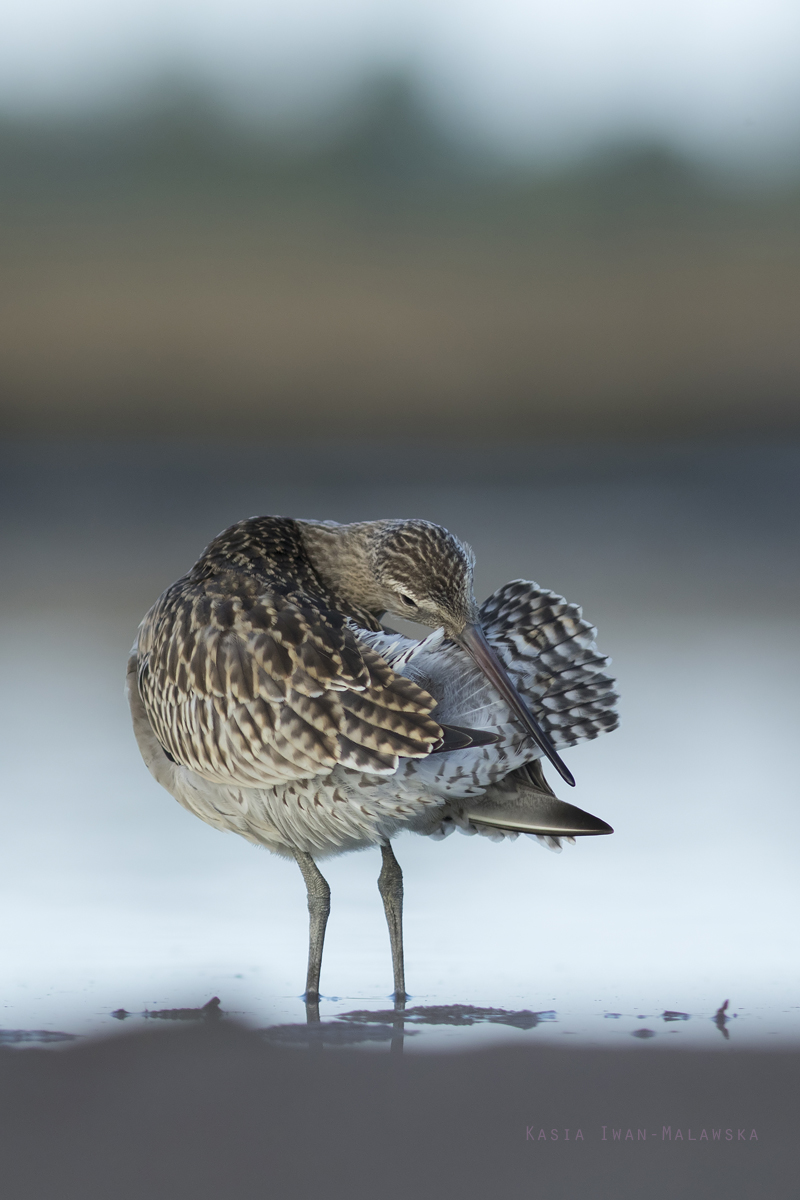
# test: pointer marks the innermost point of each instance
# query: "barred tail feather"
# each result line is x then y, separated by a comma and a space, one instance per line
549, 651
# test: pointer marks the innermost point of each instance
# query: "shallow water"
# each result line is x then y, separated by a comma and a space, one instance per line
115, 898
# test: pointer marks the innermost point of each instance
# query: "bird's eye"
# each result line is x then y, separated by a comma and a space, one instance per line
407, 600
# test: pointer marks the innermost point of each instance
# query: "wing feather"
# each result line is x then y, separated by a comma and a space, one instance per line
255, 689
549, 652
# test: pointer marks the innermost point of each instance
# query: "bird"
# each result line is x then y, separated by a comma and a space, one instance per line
270, 699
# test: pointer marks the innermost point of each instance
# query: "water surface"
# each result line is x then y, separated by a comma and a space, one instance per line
115, 898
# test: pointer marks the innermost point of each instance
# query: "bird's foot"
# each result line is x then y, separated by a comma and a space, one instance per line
311, 1000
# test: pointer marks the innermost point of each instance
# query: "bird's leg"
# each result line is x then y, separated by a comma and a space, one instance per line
390, 886
319, 905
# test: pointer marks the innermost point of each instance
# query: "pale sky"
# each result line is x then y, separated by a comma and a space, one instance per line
719, 75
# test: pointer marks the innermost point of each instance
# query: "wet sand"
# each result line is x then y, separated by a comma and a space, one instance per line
216, 1111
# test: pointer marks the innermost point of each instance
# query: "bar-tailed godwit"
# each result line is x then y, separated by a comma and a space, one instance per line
268, 698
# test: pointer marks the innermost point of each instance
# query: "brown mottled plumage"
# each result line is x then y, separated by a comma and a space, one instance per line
268, 699
250, 674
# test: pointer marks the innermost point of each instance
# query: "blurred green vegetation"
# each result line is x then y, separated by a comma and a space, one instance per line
173, 266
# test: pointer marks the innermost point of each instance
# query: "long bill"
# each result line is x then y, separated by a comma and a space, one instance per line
473, 639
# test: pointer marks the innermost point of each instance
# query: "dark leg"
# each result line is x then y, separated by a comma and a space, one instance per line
390, 886
319, 905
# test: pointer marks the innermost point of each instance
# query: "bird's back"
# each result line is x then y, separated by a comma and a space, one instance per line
251, 673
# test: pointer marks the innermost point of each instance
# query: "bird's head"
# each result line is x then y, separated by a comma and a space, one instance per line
418, 570
424, 573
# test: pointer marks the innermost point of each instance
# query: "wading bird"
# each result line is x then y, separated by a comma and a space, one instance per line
268, 698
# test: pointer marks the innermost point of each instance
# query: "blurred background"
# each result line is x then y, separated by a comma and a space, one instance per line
579, 219
530, 270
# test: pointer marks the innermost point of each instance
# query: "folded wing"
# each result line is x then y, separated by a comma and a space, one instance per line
256, 690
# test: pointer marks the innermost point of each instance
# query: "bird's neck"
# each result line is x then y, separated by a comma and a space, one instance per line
342, 557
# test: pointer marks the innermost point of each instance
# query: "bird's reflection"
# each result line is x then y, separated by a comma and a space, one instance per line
391, 1025
394, 1024
457, 1014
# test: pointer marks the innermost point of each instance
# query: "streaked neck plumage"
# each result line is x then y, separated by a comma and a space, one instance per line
343, 557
